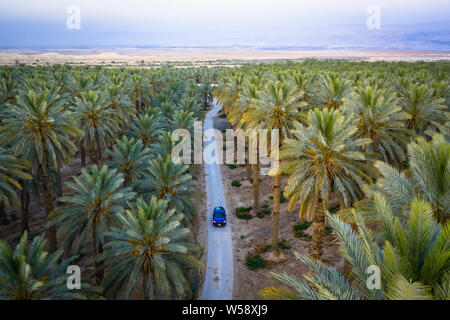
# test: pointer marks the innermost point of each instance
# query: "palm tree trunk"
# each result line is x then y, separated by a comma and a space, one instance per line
4, 219
137, 104
145, 287
99, 148
48, 201
109, 145
256, 187
98, 274
82, 154
146, 142
59, 192
247, 164
276, 211
95, 151
93, 155
99, 154
315, 248
99, 264
24, 205
127, 179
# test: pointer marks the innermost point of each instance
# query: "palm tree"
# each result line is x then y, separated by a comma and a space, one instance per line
247, 101
418, 241
171, 182
428, 177
117, 100
276, 109
97, 199
168, 111
146, 127
27, 187
206, 93
191, 104
54, 95
231, 92
332, 90
8, 87
413, 259
183, 120
78, 82
237, 106
98, 122
150, 247
39, 132
305, 84
379, 117
139, 89
129, 157
30, 273
11, 169
168, 96
424, 110
324, 159
165, 145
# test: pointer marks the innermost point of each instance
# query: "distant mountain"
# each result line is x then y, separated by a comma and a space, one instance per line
434, 36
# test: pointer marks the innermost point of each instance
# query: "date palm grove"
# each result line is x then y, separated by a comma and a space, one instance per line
364, 148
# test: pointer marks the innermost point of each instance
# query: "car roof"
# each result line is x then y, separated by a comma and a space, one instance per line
219, 208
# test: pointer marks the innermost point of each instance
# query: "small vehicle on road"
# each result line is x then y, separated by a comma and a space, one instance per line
219, 217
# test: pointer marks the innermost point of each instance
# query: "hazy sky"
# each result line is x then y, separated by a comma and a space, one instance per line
241, 21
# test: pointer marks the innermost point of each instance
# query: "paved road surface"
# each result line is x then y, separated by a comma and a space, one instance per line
218, 284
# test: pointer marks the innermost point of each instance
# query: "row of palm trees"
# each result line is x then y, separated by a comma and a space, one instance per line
349, 133
411, 247
127, 214
372, 137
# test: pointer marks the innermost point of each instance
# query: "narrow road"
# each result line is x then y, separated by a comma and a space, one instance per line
218, 284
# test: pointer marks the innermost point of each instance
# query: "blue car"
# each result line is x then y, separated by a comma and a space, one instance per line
219, 217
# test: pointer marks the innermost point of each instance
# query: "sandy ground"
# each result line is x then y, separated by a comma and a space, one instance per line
254, 234
198, 57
